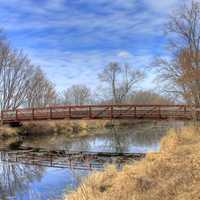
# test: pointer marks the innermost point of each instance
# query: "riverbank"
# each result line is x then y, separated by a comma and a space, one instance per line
69, 127
174, 173
8, 132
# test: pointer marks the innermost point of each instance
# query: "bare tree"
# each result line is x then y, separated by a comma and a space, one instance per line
121, 79
21, 82
14, 77
77, 94
41, 92
181, 73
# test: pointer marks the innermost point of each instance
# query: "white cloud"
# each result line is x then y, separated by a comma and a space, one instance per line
59, 37
124, 54
68, 68
164, 6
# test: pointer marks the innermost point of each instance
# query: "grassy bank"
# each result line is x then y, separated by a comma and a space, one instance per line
8, 132
69, 127
172, 174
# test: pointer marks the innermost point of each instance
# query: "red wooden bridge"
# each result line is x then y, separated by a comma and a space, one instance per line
157, 112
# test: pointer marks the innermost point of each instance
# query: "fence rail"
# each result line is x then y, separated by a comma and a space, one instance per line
101, 112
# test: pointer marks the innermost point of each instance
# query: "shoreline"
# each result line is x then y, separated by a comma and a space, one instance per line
71, 128
164, 175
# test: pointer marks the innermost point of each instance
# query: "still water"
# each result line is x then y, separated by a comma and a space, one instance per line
25, 182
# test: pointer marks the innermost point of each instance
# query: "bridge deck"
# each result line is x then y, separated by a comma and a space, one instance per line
64, 159
100, 112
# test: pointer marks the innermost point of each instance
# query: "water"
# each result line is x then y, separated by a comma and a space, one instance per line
23, 182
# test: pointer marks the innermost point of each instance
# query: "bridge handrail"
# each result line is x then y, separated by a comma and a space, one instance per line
97, 111
101, 106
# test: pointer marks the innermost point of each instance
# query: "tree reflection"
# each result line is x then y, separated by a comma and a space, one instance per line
141, 137
15, 179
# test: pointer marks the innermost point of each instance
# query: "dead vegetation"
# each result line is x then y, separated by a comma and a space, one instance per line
7, 132
69, 127
174, 173
72, 127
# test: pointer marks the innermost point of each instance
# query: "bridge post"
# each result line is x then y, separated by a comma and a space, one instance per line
1, 117
16, 114
70, 112
33, 110
185, 109
111, 112
135, 112
90, 112
159, 112
51, 116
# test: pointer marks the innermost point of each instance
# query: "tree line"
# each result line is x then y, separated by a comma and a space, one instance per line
23, 84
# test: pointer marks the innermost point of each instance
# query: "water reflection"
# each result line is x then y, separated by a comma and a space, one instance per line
22, 182
139, 139
15, 179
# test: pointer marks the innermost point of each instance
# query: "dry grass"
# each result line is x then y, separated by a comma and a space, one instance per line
6, 132
62, 127
172, 174
72, 126
69, 127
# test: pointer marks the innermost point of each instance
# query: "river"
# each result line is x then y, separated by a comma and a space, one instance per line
26, 182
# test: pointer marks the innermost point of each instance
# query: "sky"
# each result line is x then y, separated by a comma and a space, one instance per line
73, 40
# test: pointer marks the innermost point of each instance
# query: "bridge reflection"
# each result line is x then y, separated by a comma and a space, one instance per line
65, 159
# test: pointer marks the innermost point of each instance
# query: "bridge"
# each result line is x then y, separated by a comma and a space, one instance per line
156, 112
65, 159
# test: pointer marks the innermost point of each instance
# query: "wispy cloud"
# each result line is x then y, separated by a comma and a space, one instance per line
73, 40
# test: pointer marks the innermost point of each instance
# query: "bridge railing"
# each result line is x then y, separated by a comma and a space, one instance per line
100, 112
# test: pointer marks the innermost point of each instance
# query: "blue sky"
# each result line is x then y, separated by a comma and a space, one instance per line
72, 40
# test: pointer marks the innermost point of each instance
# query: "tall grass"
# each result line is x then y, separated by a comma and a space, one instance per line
171, 174
71, 127
7, 132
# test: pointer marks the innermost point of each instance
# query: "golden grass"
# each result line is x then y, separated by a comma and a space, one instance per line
172, 174
62, 127
69, 127
6, 132
72, 127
